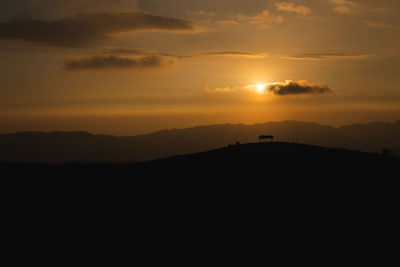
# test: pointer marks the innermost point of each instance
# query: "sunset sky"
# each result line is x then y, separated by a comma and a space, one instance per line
128, 67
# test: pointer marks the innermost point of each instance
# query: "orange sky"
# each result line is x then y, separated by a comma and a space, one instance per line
129, 67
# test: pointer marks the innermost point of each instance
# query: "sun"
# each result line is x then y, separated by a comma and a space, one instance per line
260, 87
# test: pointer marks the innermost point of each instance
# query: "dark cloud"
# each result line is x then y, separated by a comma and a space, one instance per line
297, 88
127, 51
61, 8
112, 61
216, 6
86, 28
137, 52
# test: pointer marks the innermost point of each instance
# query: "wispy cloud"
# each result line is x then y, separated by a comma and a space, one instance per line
235, 54
135, 52
116, 62
343, 2
201, 13
343, 10
360, 6
124, 58
227, 22
289, 7
322, 56
265, 19
219, 90
380, 25
87, 28
344, 6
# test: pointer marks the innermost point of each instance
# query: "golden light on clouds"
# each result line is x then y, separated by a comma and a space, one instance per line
193, 56
260, 88
286, 88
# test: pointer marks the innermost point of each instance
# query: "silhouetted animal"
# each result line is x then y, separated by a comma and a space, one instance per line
266, 138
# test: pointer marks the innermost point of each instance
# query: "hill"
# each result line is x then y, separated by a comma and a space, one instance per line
277, 163
58, 147
280, 204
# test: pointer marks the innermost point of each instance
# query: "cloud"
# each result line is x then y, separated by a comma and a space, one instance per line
147, 52
126, 51
135, 52
61, 8
342, 2
365, 6
235, 54
380, 25
227, 22
221, 90
201, 13
379, 10
289, 7
264, 19
86, 28
343, 10
286, 88
297, 88
112, 62
358, 6
344, 6
321, 56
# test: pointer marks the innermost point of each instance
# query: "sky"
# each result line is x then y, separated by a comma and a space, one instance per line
128, 67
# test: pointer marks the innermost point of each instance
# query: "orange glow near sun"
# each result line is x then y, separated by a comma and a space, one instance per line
260, 88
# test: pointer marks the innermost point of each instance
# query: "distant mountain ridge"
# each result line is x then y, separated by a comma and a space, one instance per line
57, 147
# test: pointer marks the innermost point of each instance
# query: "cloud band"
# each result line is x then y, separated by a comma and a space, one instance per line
87, 27
110, 62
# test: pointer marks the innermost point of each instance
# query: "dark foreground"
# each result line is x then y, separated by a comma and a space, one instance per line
249, 205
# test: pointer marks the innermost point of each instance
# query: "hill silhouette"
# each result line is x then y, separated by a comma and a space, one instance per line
58, 147
253, 204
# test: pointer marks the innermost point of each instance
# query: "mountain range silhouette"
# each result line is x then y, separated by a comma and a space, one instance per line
58, 147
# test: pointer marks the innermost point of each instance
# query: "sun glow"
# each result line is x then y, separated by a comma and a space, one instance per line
260, 88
